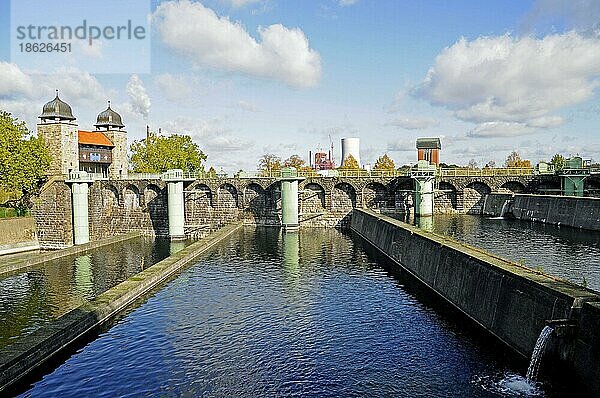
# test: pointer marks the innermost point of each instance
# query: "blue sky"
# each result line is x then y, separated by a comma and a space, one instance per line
246, 77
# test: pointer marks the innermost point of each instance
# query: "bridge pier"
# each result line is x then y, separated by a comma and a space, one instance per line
79, 193
424, 176
289, 199
175, 204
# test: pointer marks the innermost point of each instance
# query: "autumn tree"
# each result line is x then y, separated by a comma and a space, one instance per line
514, 160
490, 165
269, 162
558, 161
157, 154
294, 161
24, 160
384, 163
350, 163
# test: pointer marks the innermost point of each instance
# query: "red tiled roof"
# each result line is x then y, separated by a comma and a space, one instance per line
94, 138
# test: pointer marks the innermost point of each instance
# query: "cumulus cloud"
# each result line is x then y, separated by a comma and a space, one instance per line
576, 14
195, 31
500, 129
513, 80
13, 81
240, 3
23, 94
413, 122
139, 101
246, 106
402, 145
211, 135
174, 88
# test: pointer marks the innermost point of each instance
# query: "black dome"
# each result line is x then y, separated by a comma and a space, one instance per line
57, 108
109, 118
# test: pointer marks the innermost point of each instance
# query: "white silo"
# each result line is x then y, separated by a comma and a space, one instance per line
351, 146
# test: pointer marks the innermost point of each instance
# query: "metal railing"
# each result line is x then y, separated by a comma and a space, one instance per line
488, 172
339, 173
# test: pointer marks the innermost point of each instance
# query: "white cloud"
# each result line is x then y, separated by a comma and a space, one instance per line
344, 3
209, 40
211, 135
513, 80
241, 3
402, 145
174, 88
24, 95
13, 80
413, 122
576, 14
247, 106
500, 129
139, 101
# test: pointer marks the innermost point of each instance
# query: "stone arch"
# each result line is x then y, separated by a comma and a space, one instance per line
255, 202
343, 197
156, 204
313, 198
375, 196
402, 194
110, 197
547, 187
151, 192
592, 186
131, 197
202, 195
227, 196
512, 187
474, 195
445, 198
198, 205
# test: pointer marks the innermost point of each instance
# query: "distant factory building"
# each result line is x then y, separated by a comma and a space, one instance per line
429, 149
350, 146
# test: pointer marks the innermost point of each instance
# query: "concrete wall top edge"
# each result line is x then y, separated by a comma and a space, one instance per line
532, 277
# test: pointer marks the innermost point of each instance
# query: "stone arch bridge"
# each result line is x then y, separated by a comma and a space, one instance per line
140, 204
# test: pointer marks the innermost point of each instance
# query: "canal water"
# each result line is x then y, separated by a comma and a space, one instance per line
312, 314
31, 299
569, 253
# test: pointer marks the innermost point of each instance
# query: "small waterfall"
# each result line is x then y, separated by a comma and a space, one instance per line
538, 353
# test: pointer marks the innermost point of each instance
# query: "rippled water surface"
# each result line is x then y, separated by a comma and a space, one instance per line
33, 298
569, 253
264, 314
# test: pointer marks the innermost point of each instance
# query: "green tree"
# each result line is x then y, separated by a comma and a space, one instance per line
350, 163
384, 163
24, 160
269, 162
558, 161
157, 154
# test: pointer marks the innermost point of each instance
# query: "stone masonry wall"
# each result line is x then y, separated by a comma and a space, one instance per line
53, 216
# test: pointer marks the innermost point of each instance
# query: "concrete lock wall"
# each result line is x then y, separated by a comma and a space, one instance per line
577, 212
510, 301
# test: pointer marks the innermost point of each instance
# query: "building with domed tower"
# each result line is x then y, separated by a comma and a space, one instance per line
59, 129
102, 152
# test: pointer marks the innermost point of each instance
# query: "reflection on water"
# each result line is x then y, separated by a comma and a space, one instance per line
31, 299
569, 253
264, 314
